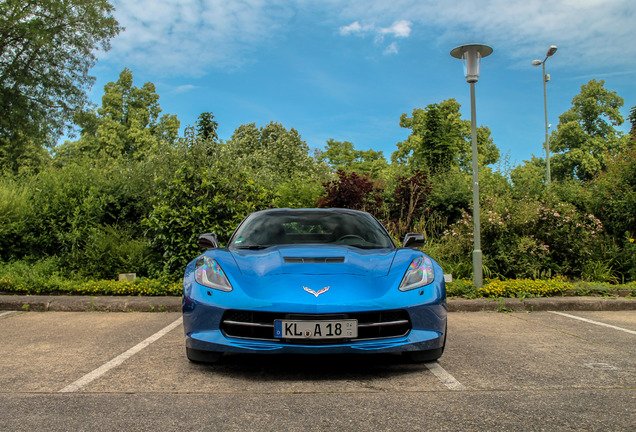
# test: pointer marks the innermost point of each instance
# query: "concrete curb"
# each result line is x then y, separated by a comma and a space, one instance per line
543, 304
173, 304
90, 303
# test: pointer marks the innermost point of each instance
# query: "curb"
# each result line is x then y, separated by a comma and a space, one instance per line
543, 304
173, 304
90, 303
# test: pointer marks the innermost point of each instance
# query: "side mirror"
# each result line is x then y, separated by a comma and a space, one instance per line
208, 241
413, 240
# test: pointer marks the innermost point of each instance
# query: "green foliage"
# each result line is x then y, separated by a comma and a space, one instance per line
409, 202
127, 123
272, 155
527, 238
110, 250
62, 212
632, 120
342, 156
451, 194
586, 137
13, 211
529, 179
614, 194
42, 277
206, 127
461, 288
47, 48
524, 288
298, 192
440, 140
196, 200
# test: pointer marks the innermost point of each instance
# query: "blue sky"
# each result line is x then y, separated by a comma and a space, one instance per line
347, 70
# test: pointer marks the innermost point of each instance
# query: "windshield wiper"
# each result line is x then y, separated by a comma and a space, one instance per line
252, 247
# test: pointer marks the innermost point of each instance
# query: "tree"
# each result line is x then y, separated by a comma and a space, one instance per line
410, 205
352, 191
47, 48
632, 120
206, 127
195, 200
342, 156
586, 137
440, 139
127, 123
271, 154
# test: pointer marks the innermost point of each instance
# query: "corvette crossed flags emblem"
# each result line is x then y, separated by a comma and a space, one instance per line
310, 291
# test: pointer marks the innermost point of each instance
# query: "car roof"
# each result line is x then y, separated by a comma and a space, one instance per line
317, 210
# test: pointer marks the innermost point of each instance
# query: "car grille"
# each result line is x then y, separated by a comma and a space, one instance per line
260, 325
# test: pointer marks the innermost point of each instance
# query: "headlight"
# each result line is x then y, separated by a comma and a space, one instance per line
209, 273
419, 273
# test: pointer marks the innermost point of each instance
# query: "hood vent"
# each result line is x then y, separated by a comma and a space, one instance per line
314, 260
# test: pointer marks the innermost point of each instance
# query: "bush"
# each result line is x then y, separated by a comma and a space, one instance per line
13, 209
111, 250
461, 288
526, 238
196, 201
524, 288
43, 277
352, 191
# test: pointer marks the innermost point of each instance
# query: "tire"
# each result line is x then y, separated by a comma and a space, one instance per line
424, 356
427, 355
199, 356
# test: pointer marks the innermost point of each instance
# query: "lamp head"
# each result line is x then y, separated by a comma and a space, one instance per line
471, 55
536, 62
551, 50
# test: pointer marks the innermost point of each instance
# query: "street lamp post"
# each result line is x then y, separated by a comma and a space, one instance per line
546, 78
472, 55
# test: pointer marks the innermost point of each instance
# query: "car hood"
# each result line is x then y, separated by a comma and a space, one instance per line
315, 260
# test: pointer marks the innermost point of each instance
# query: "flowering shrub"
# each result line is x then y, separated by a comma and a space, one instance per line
524, 288
526, 238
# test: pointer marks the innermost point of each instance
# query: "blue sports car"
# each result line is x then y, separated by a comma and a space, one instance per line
313, 281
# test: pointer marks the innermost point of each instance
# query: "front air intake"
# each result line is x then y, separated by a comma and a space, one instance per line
314, 260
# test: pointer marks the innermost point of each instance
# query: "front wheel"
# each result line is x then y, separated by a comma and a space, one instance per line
424, 356
427, 355
199, 356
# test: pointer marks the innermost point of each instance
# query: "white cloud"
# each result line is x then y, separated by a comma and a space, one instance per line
190, 37
352, 28
400, 29
391, 49
599, 31
184, 88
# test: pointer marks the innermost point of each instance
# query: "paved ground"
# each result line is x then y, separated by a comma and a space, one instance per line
501, 371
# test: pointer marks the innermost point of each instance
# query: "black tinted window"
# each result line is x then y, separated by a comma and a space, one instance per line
310, 227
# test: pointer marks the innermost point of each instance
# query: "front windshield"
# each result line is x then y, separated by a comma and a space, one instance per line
303, 227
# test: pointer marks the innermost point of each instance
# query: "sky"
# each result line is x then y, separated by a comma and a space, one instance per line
348, 70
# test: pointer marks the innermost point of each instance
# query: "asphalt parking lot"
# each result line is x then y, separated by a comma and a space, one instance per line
501, 371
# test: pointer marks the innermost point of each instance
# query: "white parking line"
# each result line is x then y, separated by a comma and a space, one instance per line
594, 322
447, 379
91, 376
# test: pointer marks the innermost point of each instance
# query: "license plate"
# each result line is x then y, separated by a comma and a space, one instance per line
326, 329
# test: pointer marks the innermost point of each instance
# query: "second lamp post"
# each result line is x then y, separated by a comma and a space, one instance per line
546, 78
